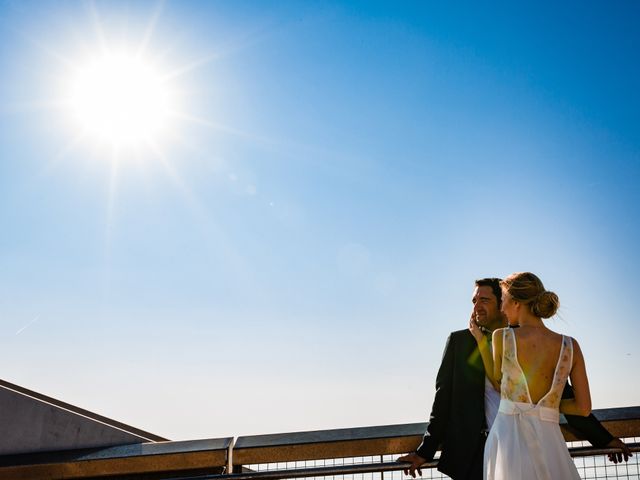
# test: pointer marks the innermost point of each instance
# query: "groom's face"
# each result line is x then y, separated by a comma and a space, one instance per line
485, 308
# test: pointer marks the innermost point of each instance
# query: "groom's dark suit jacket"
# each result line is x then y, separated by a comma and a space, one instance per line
457, 418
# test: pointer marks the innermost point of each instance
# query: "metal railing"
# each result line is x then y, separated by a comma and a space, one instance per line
370, 453
592, 463
365, 453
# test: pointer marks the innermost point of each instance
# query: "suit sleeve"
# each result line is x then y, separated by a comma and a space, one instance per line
441, 405
588, 427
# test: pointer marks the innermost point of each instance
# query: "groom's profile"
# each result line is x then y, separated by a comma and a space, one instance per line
465, 403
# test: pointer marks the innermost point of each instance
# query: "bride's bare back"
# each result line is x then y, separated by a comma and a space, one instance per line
538, 351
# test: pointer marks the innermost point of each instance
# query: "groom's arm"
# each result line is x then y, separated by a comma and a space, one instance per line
589, 426
595, 433
440, 412
439, 418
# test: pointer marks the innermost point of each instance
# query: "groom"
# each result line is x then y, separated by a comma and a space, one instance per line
466, 404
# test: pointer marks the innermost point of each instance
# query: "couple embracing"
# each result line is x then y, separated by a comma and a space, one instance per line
501, 387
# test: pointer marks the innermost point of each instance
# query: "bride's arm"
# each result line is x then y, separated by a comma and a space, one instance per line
485, 351
581, 403
496, 378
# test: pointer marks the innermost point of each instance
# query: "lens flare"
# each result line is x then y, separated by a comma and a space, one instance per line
120, 99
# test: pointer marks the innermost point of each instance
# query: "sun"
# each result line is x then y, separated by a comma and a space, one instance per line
120, 99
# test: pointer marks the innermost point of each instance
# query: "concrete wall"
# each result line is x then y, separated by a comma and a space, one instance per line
30, 424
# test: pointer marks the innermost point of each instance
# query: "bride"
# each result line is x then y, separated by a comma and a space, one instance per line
530, 366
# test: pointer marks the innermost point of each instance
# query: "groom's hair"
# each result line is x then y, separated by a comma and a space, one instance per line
494, 283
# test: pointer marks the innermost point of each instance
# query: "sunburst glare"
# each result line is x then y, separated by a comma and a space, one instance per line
120, 99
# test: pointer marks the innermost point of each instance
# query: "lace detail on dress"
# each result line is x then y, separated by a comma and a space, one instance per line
514, 384
563, 369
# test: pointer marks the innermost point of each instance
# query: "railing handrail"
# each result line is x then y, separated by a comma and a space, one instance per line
383, 440
361, 468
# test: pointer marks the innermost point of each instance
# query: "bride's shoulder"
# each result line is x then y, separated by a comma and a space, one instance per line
556, 335
568, 341
500, 331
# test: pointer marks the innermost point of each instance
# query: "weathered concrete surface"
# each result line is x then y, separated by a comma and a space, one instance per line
31, 422
156, 460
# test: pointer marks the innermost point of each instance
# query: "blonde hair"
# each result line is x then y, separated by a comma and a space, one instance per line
527, 288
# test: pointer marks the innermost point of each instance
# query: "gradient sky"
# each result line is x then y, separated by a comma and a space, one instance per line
295, 253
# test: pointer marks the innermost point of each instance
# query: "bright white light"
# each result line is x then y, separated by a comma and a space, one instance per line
119, 99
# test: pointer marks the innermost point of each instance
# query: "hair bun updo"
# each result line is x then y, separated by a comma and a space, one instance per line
527, 288
545, 305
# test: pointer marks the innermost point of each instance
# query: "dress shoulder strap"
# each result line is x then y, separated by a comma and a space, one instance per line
561, 374
513, 385
507, 343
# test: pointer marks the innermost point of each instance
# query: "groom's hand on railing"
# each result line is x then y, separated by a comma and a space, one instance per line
617, 457
416, 462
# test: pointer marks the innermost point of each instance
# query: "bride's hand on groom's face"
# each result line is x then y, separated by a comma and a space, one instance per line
475, 329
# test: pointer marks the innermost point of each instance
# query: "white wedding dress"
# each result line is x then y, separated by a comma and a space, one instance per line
525, 442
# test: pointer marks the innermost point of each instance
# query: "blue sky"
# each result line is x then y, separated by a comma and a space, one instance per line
294, 253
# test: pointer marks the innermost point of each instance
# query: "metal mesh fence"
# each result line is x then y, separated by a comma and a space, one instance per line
589, 467
427, 473
596, 467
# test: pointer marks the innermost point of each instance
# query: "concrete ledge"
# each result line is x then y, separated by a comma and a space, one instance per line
151, 459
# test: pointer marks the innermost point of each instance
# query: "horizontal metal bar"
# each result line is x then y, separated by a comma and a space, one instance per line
369, 467
594, 452
312, 472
